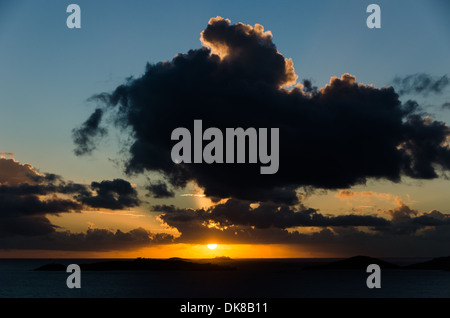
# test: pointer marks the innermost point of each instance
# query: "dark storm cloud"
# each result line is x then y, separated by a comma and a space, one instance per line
159, 190
45, 188
28, 226
353, 241
12, 206
28, 197
391, 239
408, 221
404, 231
334, 137
113, 195
420, 83
236, 212
26, 214
426, 147
94, 239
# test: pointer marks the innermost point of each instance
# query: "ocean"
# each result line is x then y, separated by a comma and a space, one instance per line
261, 278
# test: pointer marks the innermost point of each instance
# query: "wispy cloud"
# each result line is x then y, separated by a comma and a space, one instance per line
421, 83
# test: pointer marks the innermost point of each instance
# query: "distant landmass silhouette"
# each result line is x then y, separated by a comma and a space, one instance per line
442, 263
356, 262
359, 262
140, 264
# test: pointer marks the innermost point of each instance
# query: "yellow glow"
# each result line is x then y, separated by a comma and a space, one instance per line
188, 251
212, 246
125, 220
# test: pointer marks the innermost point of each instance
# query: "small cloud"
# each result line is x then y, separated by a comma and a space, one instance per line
114, 195
7, 154
421, 83
159, 190
366, 196
445, 105
85, 135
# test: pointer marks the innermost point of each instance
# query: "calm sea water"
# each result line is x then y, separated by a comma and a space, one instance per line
255, 278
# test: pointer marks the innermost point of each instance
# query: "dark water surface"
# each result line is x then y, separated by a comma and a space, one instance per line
252, 278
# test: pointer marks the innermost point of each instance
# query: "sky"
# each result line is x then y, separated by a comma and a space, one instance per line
364, 157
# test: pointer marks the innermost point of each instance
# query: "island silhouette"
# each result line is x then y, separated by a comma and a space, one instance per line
140, 264
225, 263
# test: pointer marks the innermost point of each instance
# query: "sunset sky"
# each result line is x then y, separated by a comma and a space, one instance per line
86, 116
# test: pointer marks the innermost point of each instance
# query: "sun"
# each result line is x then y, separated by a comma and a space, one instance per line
211, 246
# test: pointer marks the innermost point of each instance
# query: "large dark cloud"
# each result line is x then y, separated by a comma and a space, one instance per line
334, 137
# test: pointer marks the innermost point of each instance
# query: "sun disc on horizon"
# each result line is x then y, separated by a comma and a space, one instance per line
211, 246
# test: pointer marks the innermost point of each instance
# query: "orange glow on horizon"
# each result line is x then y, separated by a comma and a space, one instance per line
188, 251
